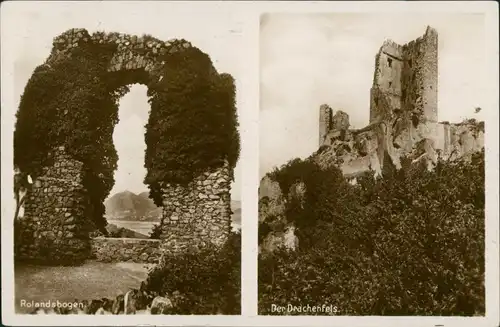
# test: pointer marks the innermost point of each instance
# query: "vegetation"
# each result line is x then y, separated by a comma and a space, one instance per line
73, 102
193, 125
156, 231
208, 279
409, 243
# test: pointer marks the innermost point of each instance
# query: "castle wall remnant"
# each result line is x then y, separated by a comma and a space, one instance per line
403, 122
403, 115
56, 225
199, 213
126, 250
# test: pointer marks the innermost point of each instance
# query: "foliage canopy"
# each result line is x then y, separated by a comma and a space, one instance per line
409, 243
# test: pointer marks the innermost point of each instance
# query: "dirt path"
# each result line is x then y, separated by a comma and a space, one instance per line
93, 280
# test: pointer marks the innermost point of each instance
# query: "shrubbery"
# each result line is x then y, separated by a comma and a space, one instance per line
71, 103
208, 280
155, 232
410, 243
193, 123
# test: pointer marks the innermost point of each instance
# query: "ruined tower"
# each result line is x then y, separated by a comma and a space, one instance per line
325, 120
403, 116
405, 84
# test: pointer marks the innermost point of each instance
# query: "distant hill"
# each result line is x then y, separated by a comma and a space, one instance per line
130, 206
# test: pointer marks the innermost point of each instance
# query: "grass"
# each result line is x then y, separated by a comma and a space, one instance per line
93, 280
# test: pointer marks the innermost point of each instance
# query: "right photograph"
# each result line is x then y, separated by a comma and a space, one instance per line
372, 190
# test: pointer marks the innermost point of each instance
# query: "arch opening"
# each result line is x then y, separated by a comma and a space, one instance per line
129, 211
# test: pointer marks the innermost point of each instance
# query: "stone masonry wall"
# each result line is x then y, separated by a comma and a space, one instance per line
199, 213
55, 228
132, 52
126, 250
325, 120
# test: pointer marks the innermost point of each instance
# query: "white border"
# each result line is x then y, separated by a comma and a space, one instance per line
249, 156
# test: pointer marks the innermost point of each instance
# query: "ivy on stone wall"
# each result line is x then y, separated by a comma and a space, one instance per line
72, 101
193, 125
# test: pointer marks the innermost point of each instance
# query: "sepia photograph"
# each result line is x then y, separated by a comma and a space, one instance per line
125, 163
372, 164
250, 163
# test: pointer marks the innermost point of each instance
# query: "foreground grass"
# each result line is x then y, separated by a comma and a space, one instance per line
92, 280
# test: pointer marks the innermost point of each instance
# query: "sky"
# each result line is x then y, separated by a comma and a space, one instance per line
218, 34
310, 59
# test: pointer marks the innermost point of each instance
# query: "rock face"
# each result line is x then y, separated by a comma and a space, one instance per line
126, 250
403, 116
55, 227
272, 213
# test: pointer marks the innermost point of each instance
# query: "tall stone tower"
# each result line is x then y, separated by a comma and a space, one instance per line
325, 121
405, 85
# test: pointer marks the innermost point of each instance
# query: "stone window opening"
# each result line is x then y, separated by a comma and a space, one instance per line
390, 84
409, 63
389, 62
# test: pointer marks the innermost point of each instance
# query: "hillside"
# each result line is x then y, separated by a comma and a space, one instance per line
130, 206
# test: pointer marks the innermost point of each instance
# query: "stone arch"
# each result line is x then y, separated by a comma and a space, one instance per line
73, 166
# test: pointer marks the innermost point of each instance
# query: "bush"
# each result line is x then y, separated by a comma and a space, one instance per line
208, 280
156, 232
410, 243
193, 124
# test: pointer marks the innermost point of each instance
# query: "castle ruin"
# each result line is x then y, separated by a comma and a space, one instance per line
56, 225
403, 115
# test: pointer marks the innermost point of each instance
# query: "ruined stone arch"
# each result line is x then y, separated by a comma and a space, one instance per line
63, 138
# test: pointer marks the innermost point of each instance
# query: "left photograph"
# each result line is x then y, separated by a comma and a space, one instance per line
126, 176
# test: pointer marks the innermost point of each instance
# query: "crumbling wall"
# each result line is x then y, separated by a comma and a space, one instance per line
460, 140
386, 82
403, 122
198, 213
131, 52
281, 233
403, 115
325, 120
55, 222
126, 250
